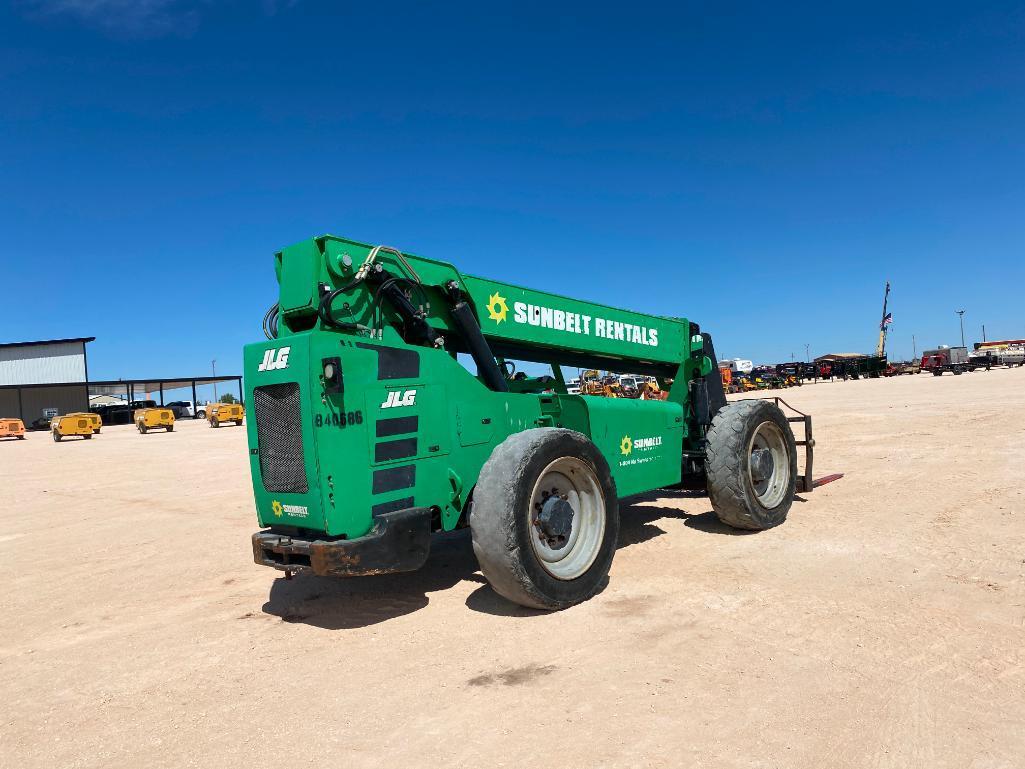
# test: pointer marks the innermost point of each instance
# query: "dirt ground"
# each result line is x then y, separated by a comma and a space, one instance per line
881, 626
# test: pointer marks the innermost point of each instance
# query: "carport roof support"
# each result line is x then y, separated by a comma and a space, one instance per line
98, 387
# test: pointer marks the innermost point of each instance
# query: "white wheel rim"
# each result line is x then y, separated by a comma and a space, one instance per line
771, 489
574, 481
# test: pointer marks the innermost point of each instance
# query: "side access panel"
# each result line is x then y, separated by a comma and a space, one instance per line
642, 441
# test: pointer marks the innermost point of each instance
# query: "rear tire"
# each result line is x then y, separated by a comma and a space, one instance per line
541, 566
751, 465
88, 436
238, 422
170, 428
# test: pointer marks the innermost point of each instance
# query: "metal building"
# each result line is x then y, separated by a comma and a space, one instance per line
40, 379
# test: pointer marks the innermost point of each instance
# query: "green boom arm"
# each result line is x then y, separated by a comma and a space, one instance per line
517, 322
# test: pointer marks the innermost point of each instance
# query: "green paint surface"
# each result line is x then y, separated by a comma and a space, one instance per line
459, 421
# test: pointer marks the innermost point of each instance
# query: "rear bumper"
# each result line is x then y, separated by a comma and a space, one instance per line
399, 541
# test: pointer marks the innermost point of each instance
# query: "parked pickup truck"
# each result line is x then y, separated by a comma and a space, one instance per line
187, 409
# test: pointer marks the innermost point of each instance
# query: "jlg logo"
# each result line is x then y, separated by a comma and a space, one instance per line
398, 398
275, 359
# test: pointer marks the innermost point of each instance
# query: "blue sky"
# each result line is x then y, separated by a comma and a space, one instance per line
760, 170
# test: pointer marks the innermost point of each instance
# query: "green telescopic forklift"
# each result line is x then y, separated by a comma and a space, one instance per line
369, 433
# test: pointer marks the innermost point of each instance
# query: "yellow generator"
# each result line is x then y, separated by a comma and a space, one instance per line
219, 413
151, 419
71, 424
12, 428
94, 419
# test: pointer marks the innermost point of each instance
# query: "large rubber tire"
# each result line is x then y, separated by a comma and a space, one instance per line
170, 428
57, 437
142, 428
214, 423
238, 423
88, 436
501, 518
728, 465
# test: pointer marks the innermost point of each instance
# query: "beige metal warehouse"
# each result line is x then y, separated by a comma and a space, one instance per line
41, 379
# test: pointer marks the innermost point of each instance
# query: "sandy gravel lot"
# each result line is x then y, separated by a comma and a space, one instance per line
882, 626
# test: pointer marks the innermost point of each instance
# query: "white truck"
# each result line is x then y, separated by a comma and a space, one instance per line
187, 409
740, 366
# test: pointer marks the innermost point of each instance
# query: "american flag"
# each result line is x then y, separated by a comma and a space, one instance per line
887, 320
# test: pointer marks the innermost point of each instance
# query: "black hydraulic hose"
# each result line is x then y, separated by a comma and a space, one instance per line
389, 286
324, 310
487, 367
270, 322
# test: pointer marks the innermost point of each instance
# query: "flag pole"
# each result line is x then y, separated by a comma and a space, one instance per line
881, 346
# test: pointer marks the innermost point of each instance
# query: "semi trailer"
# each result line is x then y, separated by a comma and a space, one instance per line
952, 359
386, 407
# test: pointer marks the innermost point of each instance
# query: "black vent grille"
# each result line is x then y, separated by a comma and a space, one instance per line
280, 437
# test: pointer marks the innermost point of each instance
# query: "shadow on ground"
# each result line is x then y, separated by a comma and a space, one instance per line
340, 604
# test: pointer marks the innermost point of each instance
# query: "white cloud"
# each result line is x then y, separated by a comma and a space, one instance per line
124, 18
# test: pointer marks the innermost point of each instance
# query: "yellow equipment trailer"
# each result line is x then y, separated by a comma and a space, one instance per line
151, 419
94, 419
71, 424
219, 413
12, 428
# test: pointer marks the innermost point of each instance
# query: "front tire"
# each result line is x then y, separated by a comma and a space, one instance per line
751, 465
57, 437
545, 518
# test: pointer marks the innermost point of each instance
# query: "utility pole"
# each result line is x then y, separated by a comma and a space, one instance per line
213, 369
983, 332
914, 348
807, 355
960, 313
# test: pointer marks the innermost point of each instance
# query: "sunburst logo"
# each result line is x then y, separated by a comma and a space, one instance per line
626, 445
498, 310
277, 508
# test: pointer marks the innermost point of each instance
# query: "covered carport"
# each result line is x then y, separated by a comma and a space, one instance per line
130, 389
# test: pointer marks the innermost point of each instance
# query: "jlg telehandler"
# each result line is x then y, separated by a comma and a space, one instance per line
369, 434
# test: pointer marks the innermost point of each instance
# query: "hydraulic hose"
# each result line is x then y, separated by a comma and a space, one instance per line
270, 322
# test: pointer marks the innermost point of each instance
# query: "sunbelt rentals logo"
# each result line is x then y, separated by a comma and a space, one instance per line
642, 446
296, 511
543, 316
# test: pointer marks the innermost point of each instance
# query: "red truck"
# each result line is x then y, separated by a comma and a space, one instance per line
952, 359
